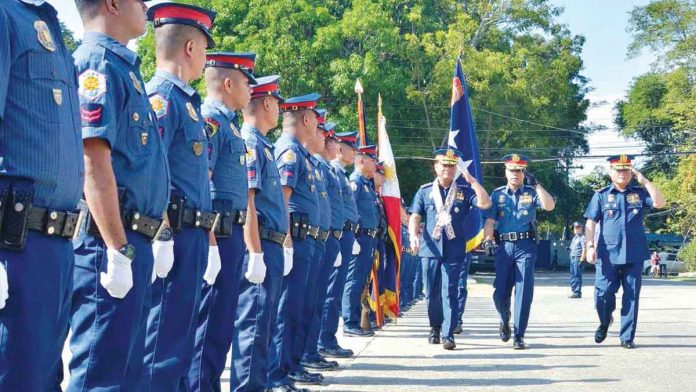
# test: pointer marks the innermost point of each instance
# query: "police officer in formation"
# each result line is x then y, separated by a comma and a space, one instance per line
621, 245
444, 204
577, 256
511, 235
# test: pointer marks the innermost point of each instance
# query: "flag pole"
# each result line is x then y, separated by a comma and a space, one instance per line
361, 117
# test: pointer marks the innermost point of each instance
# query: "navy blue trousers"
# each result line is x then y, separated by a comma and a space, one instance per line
358, 271
216, 316
257, 309
35, 320
463, 290
107, 332
284, 358
171, 324
576, 268
608, 278
514, 267
441, 292
334, 293
418, 279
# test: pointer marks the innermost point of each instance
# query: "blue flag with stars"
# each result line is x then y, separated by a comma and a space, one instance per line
462, 136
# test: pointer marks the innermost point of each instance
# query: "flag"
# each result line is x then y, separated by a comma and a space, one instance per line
462, 136
391, 195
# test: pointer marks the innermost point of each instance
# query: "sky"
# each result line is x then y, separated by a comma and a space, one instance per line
603, 24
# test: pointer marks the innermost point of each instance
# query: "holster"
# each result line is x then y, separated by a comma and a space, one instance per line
17, 197
535, 229
299, 225
175, 211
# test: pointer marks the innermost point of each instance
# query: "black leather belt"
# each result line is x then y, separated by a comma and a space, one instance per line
313, 231
200, 219
271, 235
134, 221
323, 235
514, 236
337, 234
354, 227
55, 223
369, 232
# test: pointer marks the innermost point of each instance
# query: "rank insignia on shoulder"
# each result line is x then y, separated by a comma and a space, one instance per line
268, 153
91, 114
191, 111
44, 35
197, 148
92, 84
211, 127
159, 105
289, 157
136, 83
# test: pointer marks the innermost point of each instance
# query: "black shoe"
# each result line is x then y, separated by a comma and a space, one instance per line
303, 377
448, 344
347, 331
519, 344
575, 295
434, 335
458, 329
287, 388
628, 344
601, 332
320, 365
504, 332
336, 352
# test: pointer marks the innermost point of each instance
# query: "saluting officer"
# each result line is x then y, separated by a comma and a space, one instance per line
345, 155
361, 261
514, 216
297, 177
227, 79
621, 244
41, 177
182, 35
444, 204
126, 190
264, 233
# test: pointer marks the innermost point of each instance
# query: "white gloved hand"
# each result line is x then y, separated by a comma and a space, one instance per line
163, 252
256, 268
118, 279
356, 247
4, 286
214, 265
287, 260
339, 260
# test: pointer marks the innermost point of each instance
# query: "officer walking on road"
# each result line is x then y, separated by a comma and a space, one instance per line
621, 244
577, 256
513, 216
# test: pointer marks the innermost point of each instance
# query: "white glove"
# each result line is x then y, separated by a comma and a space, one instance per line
4, 286
163, 252
214, 265
118, 279
287, 260
256, 269
339, 260
356, 247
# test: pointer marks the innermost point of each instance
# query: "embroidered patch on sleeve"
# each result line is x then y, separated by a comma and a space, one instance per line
159, 105
92, 84
91, 114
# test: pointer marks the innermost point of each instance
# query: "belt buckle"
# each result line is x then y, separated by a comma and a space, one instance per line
512, 236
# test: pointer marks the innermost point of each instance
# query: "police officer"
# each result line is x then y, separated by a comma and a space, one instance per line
444, 204
621, 244
126, 190
577, 256
41, 177
345, 155
227, 79
300, 191
264, 233
361, 262
182, 35
513, 216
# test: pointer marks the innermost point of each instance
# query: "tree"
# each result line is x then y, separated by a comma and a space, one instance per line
70, 41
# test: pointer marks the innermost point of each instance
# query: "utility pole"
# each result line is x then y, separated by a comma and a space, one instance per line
566, 215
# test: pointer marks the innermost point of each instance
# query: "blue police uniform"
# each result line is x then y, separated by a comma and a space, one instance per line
577, 244
216, 316
443, 257
514, 211
108, 332
360, 265
257, 306
621, 248
297, 173
41, 165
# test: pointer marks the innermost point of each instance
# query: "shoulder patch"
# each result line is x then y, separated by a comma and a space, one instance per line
289, 157
159, 105
211, 126
92, 84
250, 155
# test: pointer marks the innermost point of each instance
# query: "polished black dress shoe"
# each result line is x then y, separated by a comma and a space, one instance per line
287, 388
575, 295
504, 332
347, 331
518, 343
458, 329
303, 377
448, 343
628, 344
434, 337
601, 332
336, 352
320, 365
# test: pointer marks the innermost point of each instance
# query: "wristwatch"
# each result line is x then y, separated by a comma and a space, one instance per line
128, 250
166, 234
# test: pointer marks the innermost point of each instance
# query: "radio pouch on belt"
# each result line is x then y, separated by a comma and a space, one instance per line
16, 216
175, 211
299, 225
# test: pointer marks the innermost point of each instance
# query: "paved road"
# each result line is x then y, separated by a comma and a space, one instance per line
562, 355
